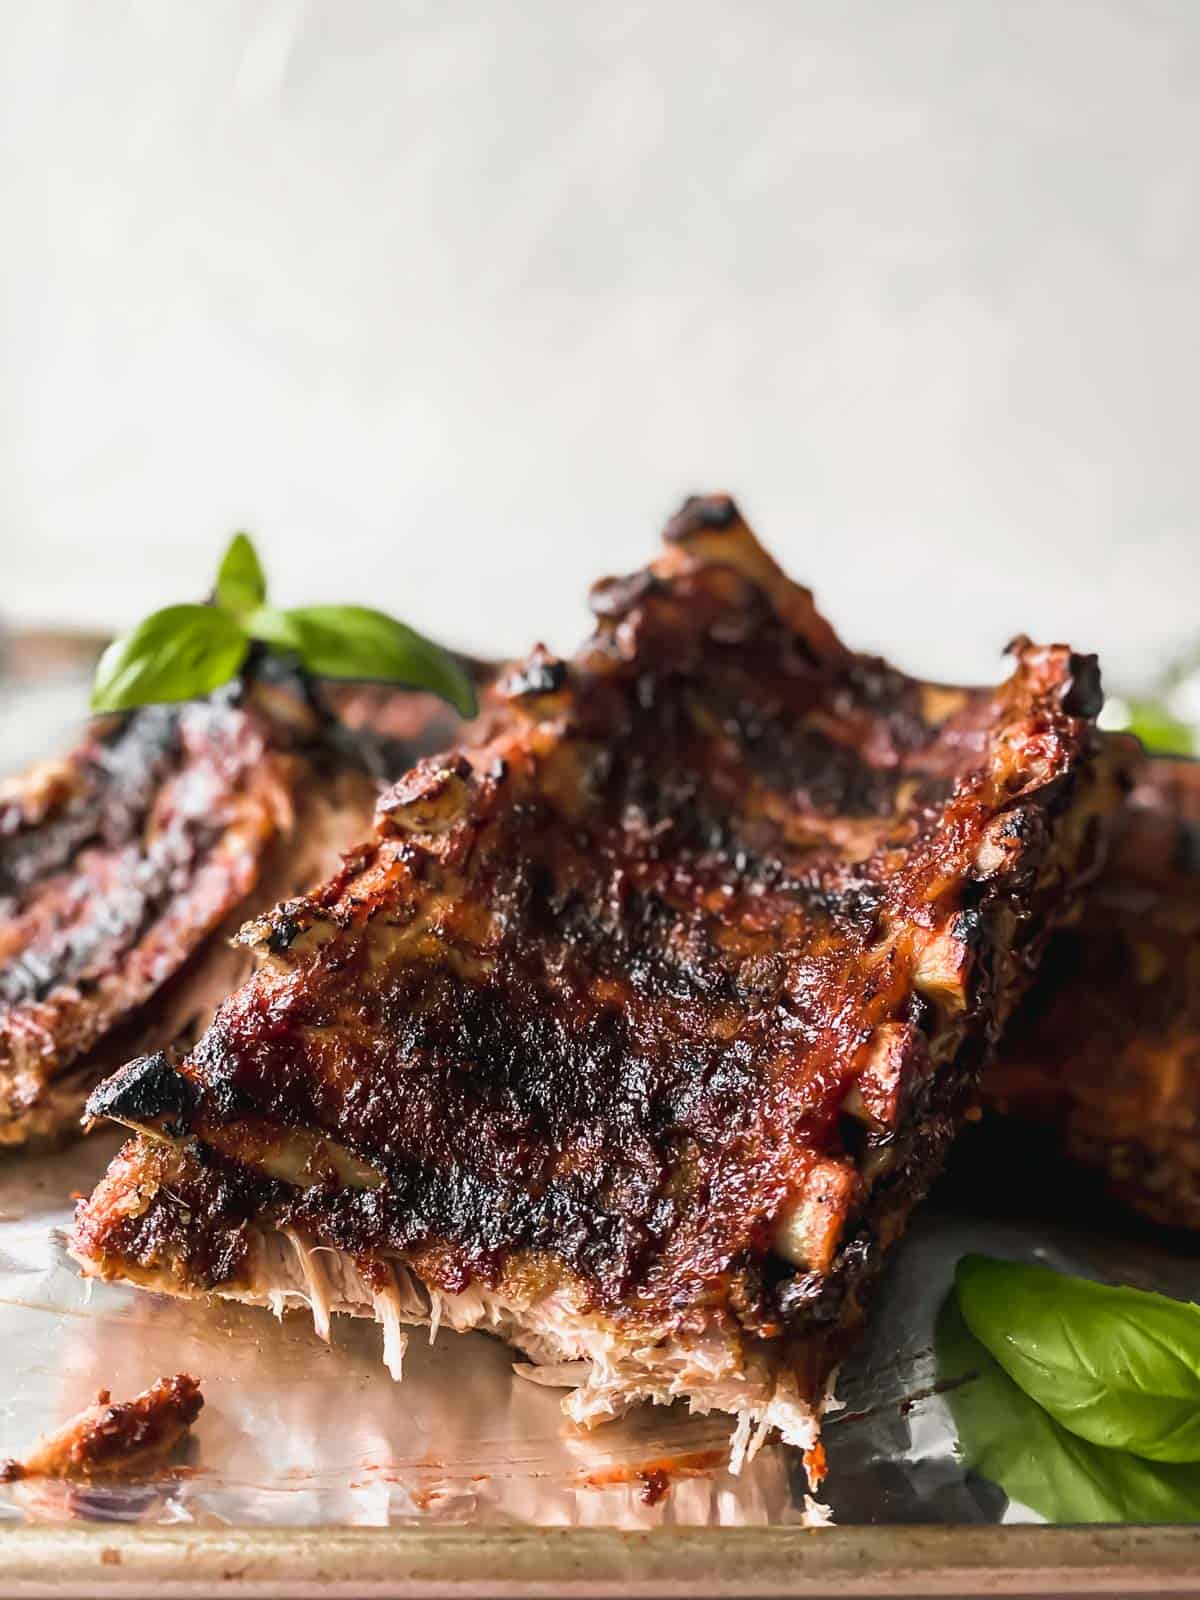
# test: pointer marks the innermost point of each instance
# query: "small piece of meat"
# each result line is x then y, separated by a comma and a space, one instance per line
108, 1441
127, 868
655, 1486
643, 1019
1106, 1048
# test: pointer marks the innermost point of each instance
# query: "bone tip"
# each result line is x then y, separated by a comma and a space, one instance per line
701, 514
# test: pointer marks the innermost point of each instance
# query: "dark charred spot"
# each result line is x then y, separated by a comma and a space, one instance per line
809, 1298
1083, 695
968, 925
118, 777
613, 597
147, 1090
1185, 855
542, 673
285, 929
700, 514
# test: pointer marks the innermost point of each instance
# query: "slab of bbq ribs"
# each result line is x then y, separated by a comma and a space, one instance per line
1106, 1048
642, 1020
127, 867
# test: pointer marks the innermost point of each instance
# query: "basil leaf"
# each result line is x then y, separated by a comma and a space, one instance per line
355, 642
174, 654
1118, 1367
241, 582
274, 628
1005, 1436
190, 650
1160, 732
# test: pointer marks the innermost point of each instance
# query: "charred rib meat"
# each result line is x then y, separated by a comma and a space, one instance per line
127, 867
643, 1019
1106, 1049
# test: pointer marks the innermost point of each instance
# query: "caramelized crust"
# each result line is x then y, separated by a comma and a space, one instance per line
118, 1440
1107, 1047
665, 991
127, 867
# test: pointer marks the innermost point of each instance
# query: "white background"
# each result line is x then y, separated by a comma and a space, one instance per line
450, 304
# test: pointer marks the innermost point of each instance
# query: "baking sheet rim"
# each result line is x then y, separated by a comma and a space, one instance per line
405, 1562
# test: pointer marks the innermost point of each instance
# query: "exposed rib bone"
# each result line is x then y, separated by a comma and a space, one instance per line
809, 1228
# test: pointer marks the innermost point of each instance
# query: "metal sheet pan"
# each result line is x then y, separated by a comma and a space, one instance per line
339, 1563
311, 1472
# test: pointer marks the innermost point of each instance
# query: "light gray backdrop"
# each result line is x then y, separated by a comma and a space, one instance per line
449, 304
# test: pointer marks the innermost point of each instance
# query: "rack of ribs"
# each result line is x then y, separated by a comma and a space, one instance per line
644, 1017
1106, 1048
127, 867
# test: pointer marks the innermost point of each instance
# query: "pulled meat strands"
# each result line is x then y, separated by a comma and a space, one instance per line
126, 869
121, 1440
643, 1019
1107, 1047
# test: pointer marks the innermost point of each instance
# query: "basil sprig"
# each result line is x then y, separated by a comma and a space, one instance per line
1008, 1438
241, 582
1117, 1367
1160, 732
186, 651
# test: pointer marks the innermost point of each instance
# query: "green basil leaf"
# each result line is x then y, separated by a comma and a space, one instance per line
1160, 732
1118, 1367
241, 582
1005, 1436
354, 642
174, 654
275, 628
